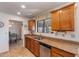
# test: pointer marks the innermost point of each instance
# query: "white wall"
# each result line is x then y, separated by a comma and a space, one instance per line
4, 38
25, 29
4, 32
73, 36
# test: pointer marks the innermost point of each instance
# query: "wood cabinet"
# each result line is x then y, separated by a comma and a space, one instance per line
31, 24
63, 19
55, 20
36, 48
67, 18
27, 43
55, 52
33, 46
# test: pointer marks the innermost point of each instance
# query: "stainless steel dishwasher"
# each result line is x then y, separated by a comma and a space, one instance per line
44, 50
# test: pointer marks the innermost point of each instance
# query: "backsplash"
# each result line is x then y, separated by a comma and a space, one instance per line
65, 34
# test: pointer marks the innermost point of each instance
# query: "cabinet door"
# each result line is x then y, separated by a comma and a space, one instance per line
67, 18
32, 45
27, 43
55, 21
31, 24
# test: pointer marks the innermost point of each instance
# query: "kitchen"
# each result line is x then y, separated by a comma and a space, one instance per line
49, 29
52, 33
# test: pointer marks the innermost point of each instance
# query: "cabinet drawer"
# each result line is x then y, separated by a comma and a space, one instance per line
55, 55
62, 53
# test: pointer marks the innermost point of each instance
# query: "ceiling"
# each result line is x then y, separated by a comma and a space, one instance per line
32, 8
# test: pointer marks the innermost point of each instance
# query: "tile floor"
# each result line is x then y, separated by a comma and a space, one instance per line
17, 50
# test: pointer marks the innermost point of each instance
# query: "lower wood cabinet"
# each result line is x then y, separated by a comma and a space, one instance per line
33, 46
36, 48
55, 52
27, 43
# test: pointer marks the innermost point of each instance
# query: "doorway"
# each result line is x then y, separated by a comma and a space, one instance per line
15, 34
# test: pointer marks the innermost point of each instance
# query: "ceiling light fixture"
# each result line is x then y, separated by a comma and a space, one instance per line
23, 6
10, 25
18, 13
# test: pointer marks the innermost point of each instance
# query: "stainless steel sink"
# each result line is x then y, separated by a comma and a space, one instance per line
37, 37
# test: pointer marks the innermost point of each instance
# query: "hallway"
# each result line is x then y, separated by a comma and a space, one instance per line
17, 50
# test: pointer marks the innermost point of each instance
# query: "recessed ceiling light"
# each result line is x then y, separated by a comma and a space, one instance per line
10, 25
18, 13
23, 6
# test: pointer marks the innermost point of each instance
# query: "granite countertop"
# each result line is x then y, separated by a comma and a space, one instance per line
66, 46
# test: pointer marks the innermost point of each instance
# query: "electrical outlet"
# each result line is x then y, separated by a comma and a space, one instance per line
72, 35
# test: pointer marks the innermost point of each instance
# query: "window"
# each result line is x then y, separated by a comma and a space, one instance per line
44, 26
40, 26
47, 27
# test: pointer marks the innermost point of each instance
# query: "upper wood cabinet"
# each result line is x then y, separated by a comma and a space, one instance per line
63, 19
67, 18
31, 24
55, 20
